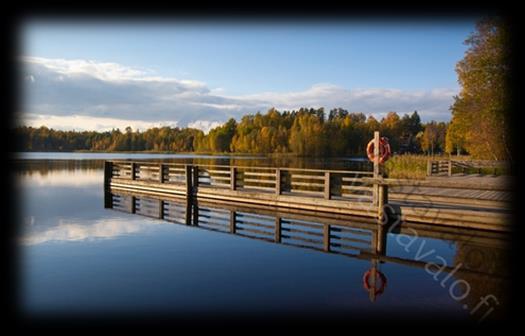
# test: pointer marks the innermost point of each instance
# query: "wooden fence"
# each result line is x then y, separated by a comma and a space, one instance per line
450, 167
333, 191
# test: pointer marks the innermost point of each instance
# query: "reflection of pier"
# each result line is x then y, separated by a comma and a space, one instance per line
353, 236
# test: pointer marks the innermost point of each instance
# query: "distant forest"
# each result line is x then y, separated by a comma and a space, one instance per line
305, 132
479, 125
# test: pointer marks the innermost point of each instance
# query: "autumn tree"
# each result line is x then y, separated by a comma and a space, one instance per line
306, 131
455, 139
480, 111
433, 137
306, 135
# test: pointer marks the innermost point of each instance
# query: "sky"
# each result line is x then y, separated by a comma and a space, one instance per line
101, 75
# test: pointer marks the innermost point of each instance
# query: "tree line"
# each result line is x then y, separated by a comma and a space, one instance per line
479, 126
304, 132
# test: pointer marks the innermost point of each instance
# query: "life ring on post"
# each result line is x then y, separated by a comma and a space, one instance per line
384, 150
379, 276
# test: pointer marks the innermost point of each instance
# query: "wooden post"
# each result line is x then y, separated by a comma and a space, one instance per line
108, 173
376, 154
429, 167
327, 193
376, 168
195, 181
382, 200
133, 166
195, 207
277, 229
326, 237
132, 207
108, 199
380, 247
278, 181
161, 209
449, 167
188, 181
233, 178
233, 221
161, 173
372, 281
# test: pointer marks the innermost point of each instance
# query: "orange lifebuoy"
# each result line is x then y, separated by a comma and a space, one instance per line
381, 276
384, 150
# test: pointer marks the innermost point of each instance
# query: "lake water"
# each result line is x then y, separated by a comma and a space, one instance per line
78, 257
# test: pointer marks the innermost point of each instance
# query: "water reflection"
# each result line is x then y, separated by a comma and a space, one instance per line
79, 256
478, 267
43, 162
75, 230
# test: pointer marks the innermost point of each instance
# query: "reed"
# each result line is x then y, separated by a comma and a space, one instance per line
408, 166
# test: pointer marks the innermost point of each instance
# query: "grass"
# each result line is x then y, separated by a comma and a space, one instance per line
415, 166
407, 166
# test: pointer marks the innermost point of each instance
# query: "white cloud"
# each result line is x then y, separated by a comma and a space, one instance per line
84, 123
432, 104
204, 125
85, 94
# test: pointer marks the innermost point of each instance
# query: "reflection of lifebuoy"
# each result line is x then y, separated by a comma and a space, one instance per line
379, 275
384, 150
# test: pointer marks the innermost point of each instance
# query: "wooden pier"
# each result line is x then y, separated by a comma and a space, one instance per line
359, 193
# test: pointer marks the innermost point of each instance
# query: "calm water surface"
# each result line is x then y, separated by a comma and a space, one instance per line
78, 257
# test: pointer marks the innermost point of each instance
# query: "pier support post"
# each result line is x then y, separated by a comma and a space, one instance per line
382, 200
327, 193
161, 173
161, 209
188, 213
195, 180
233, 221
379, 191
133, 167
326, 237
233, 178
132, 205
188, 181
108, 199
373, 277
375, 190
277, 229
278, 176
380, 240
108, 173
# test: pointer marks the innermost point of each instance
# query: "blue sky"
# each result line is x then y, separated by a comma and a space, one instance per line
241, 68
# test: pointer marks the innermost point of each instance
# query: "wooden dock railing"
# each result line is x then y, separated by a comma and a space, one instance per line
449, 167
322, 190
330, 191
